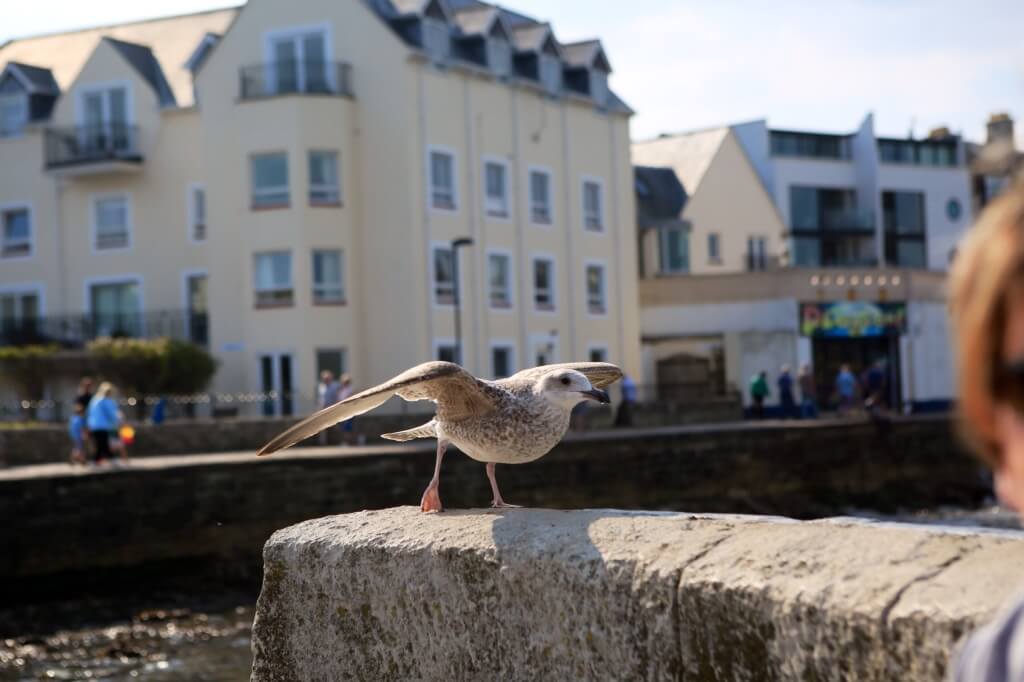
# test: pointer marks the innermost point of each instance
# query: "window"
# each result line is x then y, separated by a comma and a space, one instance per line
919, 152
445, 351
324, 188
105, 117
110, 216
500, 278
328, 286
496, 187
540, 197
544, 284
273, 279
197, 213
13, 114
597, 354
596, 303
592, 209
16, 240
270, 180
444, 275
544, 349
904, 218
197, 308
332, 360
116, 308
299, 62
811, 145
442, 180
501, 361
757, 253
714, 248
436, 37
674, 249
19, 316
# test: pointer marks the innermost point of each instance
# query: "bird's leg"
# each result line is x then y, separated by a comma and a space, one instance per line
497, 502
431, 501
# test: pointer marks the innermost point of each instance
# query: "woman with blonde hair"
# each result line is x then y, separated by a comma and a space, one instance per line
103, 419
987, 307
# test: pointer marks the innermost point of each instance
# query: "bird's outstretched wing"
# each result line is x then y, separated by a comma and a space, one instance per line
600, 374
458, 395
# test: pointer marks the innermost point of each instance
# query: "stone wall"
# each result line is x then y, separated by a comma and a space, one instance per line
20, 446
606, 594
223, 507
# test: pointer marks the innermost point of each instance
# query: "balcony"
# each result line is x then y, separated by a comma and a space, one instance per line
75, 330
275, 79
93, 150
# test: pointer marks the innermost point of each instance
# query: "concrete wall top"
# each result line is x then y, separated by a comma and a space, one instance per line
606, 594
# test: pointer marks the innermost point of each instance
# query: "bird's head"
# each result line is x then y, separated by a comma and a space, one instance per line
567, 388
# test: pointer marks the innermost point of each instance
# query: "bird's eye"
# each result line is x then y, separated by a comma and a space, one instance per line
565, 381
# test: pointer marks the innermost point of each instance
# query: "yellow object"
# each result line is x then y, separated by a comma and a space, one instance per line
127, 434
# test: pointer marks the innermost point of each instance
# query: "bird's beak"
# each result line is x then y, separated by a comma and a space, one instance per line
598, 395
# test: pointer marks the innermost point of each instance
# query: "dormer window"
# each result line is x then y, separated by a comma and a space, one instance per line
550, 71
13, 107
436, 38
499, 56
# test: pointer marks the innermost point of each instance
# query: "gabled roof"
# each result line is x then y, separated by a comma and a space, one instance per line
172, 41
480, 20
688, 154
534, 38
34, 79
587, 54
142, 59
660, 196
421, 7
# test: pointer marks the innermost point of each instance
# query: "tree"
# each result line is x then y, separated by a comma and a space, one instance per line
29, 367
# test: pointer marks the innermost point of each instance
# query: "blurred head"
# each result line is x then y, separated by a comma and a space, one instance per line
762, 374
85, 385
805, 368
345, 380
568, 387
106, 390
784, 369
326, 376
987, 308
79, 409
844, 368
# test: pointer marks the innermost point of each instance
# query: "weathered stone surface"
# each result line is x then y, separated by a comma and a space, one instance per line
604, 594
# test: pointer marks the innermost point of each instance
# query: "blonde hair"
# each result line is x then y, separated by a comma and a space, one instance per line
105, 389
987, 268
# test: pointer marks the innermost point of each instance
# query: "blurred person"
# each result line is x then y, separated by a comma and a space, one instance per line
103, 419
758, 392
846, 389
624, 416
808, 392
987, 309
79, 434
85, 392
326, 395
347, 426
787, 401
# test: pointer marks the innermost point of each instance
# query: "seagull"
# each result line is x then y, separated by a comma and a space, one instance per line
508, 421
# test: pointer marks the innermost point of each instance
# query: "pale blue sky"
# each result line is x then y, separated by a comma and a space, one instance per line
685, 64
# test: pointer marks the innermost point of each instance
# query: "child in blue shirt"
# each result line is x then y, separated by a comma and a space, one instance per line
78, 433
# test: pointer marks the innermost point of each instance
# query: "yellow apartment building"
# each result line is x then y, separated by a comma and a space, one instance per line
284, 182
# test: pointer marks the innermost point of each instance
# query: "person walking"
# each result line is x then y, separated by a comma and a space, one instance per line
347, 426
808, 393
846, 389
758, 392
327, 394
624, 416
787, 401
874, 385
103, 419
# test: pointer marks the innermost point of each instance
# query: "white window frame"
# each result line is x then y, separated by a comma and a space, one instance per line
511, 284
553, 286
295, 33
314, 286
601, 222
129, 219
136, 279
81, 91
253, 204
505, 344
18, 206
190, 204
551, 195
290, 287
450, 153
603, 347
435, 247
547, 339
37, 288
592, 310
662, 250
445, 341
492, 208
334, 191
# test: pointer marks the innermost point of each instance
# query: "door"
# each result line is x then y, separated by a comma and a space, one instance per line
105, 120
115, 309
196, 318
277, 384
300, 63
859, 353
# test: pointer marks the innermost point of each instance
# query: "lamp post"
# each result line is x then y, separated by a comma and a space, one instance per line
456, 245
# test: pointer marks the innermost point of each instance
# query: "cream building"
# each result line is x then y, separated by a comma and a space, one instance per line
284, 181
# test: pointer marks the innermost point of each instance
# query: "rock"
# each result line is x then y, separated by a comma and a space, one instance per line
604, 594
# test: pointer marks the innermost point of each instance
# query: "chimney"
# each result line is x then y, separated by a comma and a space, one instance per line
1000, 128
940, 133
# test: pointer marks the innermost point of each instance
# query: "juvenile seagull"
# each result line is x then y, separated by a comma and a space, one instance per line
510, 421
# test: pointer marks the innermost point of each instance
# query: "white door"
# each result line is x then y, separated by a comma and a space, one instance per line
277, 383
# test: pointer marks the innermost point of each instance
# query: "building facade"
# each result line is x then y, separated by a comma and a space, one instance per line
839, 249
284, 181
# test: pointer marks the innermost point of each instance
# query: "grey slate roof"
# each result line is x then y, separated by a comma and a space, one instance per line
585, 53
660, 196
141, 58
530, 37
40, 80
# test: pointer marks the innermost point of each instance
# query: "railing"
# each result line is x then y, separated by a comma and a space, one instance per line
294, 78
92, 144
74, 331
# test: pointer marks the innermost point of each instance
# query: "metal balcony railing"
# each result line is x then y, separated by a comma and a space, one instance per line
75, 330
92, 144
295, 78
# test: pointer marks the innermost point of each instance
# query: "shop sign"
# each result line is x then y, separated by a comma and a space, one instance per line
852, 319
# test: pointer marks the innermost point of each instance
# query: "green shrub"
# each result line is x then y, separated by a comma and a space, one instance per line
153, 366
29, 367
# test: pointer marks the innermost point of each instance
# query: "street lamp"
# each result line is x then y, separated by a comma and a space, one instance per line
456, 245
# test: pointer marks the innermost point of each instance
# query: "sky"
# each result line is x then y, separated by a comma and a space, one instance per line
689, 64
